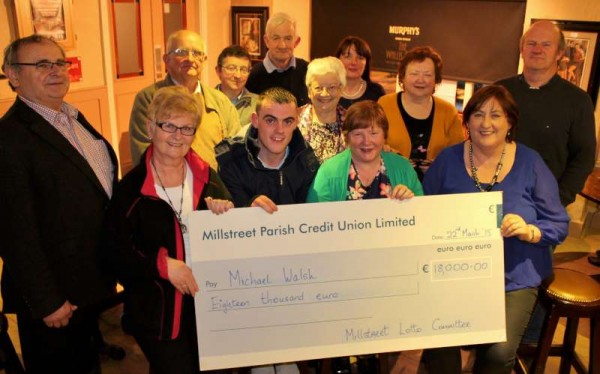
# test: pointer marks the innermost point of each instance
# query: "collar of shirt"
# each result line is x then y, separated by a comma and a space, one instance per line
50, 114
551, 82
270, 67
242, 100
287, 152
198, 89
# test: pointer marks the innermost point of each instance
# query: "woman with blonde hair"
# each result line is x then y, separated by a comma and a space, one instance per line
149, 218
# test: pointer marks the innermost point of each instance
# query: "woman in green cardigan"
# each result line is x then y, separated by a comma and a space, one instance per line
364, 170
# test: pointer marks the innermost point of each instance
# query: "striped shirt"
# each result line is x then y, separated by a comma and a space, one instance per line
92, 149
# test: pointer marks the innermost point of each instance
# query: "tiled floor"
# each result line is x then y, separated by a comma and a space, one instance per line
574, 249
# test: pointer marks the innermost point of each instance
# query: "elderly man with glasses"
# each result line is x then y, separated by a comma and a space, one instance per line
183, 60
57, 175
233, 68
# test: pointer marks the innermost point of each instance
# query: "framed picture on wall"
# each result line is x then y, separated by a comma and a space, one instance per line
51, 18
247, 29
580, 61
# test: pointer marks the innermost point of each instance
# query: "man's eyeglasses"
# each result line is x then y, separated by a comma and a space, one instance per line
184, 52
171, 128
232, 69
333, 89
45, 65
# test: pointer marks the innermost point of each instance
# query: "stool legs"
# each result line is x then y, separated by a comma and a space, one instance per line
594, 345
543, 348
568, 351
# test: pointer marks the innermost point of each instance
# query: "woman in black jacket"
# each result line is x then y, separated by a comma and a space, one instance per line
149, 230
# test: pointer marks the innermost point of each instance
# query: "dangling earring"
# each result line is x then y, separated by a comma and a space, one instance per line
468, 134
508, 136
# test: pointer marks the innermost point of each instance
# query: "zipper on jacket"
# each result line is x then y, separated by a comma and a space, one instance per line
281, 178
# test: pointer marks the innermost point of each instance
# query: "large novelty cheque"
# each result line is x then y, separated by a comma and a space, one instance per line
347, 278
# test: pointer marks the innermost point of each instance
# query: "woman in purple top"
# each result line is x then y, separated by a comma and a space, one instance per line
534, 219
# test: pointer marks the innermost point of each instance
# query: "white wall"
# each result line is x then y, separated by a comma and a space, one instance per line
215, 27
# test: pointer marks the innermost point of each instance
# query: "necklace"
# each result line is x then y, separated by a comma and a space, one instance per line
356, 93
177, 214
474, 170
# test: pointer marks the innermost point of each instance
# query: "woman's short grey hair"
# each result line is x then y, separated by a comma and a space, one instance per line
325, 65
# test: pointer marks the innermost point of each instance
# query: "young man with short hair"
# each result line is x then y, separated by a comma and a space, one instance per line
272, 164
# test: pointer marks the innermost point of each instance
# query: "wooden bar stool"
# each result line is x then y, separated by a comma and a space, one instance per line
573, 295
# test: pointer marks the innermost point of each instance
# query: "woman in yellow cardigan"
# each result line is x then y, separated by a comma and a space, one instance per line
421, 125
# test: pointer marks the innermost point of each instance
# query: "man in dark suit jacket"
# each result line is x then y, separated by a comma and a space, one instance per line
56, 177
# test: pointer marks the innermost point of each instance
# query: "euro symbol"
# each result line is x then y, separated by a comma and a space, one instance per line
492, 209
425, 268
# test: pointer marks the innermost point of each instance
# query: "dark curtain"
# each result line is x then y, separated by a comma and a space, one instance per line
477, 39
